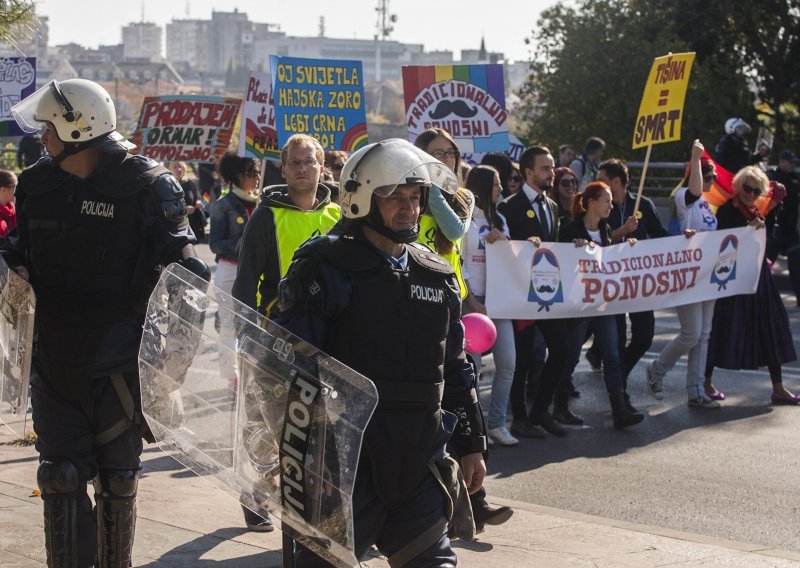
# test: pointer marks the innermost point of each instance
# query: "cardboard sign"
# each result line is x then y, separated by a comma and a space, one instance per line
468, 101
186, 128
320, 97
257, 136
17, 81
661, 110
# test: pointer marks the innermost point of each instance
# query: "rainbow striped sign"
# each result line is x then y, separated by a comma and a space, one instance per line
257, 136
468, 101
320, 97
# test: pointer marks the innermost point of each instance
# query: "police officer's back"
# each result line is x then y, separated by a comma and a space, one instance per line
95, 226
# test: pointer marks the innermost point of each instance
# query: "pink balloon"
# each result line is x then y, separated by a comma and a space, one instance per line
479, 332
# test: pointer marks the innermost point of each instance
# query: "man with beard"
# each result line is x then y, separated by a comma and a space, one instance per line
533, 216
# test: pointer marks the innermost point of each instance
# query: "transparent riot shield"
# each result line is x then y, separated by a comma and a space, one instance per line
265, 416
17, 306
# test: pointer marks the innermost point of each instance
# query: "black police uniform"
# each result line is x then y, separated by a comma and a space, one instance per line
400, 327
94, 249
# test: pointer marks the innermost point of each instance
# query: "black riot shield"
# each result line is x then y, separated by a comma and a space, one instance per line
17, 307
283, 435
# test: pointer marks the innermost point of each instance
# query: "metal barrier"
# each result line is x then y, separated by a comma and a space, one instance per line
662, 177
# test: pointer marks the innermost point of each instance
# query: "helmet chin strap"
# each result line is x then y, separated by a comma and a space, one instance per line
375, 221
69, 150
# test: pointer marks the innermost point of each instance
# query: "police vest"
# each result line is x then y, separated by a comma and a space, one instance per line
394, 331
85, 239
292, 228
428, 229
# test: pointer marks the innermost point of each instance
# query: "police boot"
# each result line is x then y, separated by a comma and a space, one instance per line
59, 483
484, 514
623, 416
115, 495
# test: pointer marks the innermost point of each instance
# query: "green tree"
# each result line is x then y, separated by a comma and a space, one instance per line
17, 18
591, 63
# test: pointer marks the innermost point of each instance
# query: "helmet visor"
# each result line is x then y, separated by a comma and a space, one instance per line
416, 167
48, 104
24, 112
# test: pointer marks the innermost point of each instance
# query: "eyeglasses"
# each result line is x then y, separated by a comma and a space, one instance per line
709, 177
515, 179
337, 166
568, 182
751, 190
440, 154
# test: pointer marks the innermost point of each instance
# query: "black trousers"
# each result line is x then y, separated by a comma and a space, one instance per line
65, 428
390, 529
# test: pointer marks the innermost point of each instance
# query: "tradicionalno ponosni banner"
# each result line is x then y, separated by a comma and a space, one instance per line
186, 128
468, 101
558, 280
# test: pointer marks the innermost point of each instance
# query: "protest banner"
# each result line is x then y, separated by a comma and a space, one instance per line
468, 101
661, 110
558, 280
257, 136
320, 97
186, 128
17, 81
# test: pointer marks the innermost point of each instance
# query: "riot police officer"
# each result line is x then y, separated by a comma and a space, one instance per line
390, 309
95, 226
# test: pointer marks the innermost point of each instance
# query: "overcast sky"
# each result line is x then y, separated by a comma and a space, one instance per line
437, 24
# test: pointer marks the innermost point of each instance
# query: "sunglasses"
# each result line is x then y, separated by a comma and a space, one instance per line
751, 190
515, 179
567, 182
337, 166
709, 177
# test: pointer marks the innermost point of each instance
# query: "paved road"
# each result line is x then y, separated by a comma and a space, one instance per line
730, 473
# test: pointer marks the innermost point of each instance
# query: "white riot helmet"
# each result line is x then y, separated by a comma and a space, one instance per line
81, 112
377, 170
738, 126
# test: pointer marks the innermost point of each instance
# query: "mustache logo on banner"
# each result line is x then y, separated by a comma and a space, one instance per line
545, 288
723, 269
457, 107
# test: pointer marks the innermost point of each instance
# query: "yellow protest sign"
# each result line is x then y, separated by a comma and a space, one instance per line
661, 111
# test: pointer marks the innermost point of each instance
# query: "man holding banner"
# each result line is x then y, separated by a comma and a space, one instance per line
534, 217
96, 225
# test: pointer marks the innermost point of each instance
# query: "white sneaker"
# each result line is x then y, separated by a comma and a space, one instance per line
654, 384
502, 437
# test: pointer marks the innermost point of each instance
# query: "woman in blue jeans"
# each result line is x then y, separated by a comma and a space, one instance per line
588, 227
489, 226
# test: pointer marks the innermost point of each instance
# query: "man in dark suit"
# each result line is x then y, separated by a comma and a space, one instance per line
533, 216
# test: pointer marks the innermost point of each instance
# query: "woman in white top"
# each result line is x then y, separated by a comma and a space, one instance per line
695, 319
489, 226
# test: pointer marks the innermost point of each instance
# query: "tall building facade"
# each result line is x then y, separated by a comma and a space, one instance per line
142, 40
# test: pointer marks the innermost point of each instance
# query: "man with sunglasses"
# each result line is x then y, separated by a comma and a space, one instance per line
95, 226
